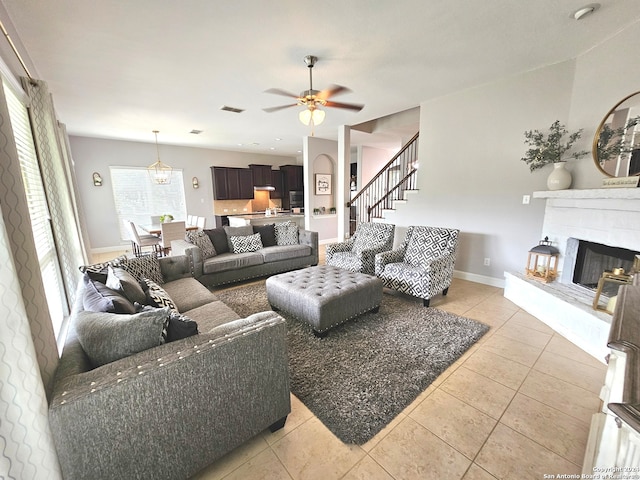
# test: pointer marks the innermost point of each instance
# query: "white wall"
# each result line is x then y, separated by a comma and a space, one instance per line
471, 176
93, 154
320, 156
604, 76
471, 142
371, 162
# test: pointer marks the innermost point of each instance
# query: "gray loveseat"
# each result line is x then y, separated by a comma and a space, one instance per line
168, 411
281, 254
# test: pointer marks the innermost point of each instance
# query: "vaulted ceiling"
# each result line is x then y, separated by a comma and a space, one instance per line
120, 69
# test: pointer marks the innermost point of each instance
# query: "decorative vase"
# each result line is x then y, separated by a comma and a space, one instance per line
559, 178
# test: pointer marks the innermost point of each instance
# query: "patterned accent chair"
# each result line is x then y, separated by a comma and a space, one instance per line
423, 265
358, 253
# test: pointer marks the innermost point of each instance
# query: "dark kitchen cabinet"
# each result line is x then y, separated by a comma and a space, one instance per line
219, 181
232, 183
261, 175
276, 182
292, 178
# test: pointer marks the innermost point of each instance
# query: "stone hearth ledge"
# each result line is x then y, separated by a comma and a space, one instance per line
565, 308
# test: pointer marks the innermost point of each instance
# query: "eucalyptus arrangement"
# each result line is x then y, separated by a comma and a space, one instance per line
166, 218
552, 147
611, 141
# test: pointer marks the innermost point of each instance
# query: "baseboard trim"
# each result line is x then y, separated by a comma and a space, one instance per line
474, 277
117, 248
328, 240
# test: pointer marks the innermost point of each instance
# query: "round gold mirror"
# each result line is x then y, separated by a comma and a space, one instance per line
616, 144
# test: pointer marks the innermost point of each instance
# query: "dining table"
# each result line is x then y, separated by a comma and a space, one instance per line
156, 228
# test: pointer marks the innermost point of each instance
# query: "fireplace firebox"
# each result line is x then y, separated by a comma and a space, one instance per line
592, 259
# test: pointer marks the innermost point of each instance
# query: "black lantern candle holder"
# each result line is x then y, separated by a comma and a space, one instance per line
542, 263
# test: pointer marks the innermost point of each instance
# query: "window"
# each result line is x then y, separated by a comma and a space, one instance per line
38, 209
137, 198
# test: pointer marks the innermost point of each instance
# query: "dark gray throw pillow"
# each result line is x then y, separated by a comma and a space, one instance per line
180, 326
97, 297
267, 234
122, 281
219, 239
107, 337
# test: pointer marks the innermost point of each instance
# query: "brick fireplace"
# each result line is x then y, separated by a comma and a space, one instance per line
607, 217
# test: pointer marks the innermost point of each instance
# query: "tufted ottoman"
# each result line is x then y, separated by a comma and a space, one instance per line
324, 296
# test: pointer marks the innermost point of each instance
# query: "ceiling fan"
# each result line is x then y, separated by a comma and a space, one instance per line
312, 99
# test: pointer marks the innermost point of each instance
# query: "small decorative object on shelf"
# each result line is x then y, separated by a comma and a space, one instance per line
542, 263
552, 148
166, 218
332, 210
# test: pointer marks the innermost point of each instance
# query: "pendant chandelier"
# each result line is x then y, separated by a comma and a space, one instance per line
160, 173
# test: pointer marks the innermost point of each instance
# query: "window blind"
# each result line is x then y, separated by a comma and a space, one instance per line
38, 211
137, 198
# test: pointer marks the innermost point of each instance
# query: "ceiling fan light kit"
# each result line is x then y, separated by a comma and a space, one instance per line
312, 99
313, 116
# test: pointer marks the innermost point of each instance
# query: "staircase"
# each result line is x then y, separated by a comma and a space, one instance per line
388, 186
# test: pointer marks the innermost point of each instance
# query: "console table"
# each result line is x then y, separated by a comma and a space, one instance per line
614, 437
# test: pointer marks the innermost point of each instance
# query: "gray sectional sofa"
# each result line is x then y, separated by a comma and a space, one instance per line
167, 411
287, 248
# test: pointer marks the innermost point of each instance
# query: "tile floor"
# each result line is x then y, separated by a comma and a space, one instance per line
517, 405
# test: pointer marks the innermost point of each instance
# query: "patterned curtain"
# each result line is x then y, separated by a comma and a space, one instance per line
59, 184
15, 212
28, 355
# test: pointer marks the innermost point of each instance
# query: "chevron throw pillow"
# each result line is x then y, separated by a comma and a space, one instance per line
246, 244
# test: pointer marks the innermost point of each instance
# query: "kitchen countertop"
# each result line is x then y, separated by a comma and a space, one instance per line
262, 219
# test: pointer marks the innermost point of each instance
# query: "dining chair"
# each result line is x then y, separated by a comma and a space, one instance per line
171, 231
138, 242
155, 219
190, 220
200, 222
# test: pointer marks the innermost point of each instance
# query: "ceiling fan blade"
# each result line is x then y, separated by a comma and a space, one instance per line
332, 91
280, 107
349, 106
278, 91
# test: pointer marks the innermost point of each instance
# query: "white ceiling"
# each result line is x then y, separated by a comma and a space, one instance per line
120, 69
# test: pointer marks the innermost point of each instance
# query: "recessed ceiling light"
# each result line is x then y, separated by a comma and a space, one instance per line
584, 11
278, 139
272, 148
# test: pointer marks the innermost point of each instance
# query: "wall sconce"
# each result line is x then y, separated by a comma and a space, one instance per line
97, 179
195, 183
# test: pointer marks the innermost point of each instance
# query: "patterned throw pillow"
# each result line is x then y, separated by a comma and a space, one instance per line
203, 242
98, 271
245, 244
144, 267
286, 233
157, 296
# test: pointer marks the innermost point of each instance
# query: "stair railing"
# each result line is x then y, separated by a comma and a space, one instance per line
389, 184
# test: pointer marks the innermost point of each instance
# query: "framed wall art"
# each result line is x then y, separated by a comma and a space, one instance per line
323, 184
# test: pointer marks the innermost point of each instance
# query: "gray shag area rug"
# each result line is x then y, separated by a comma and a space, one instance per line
367, 370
